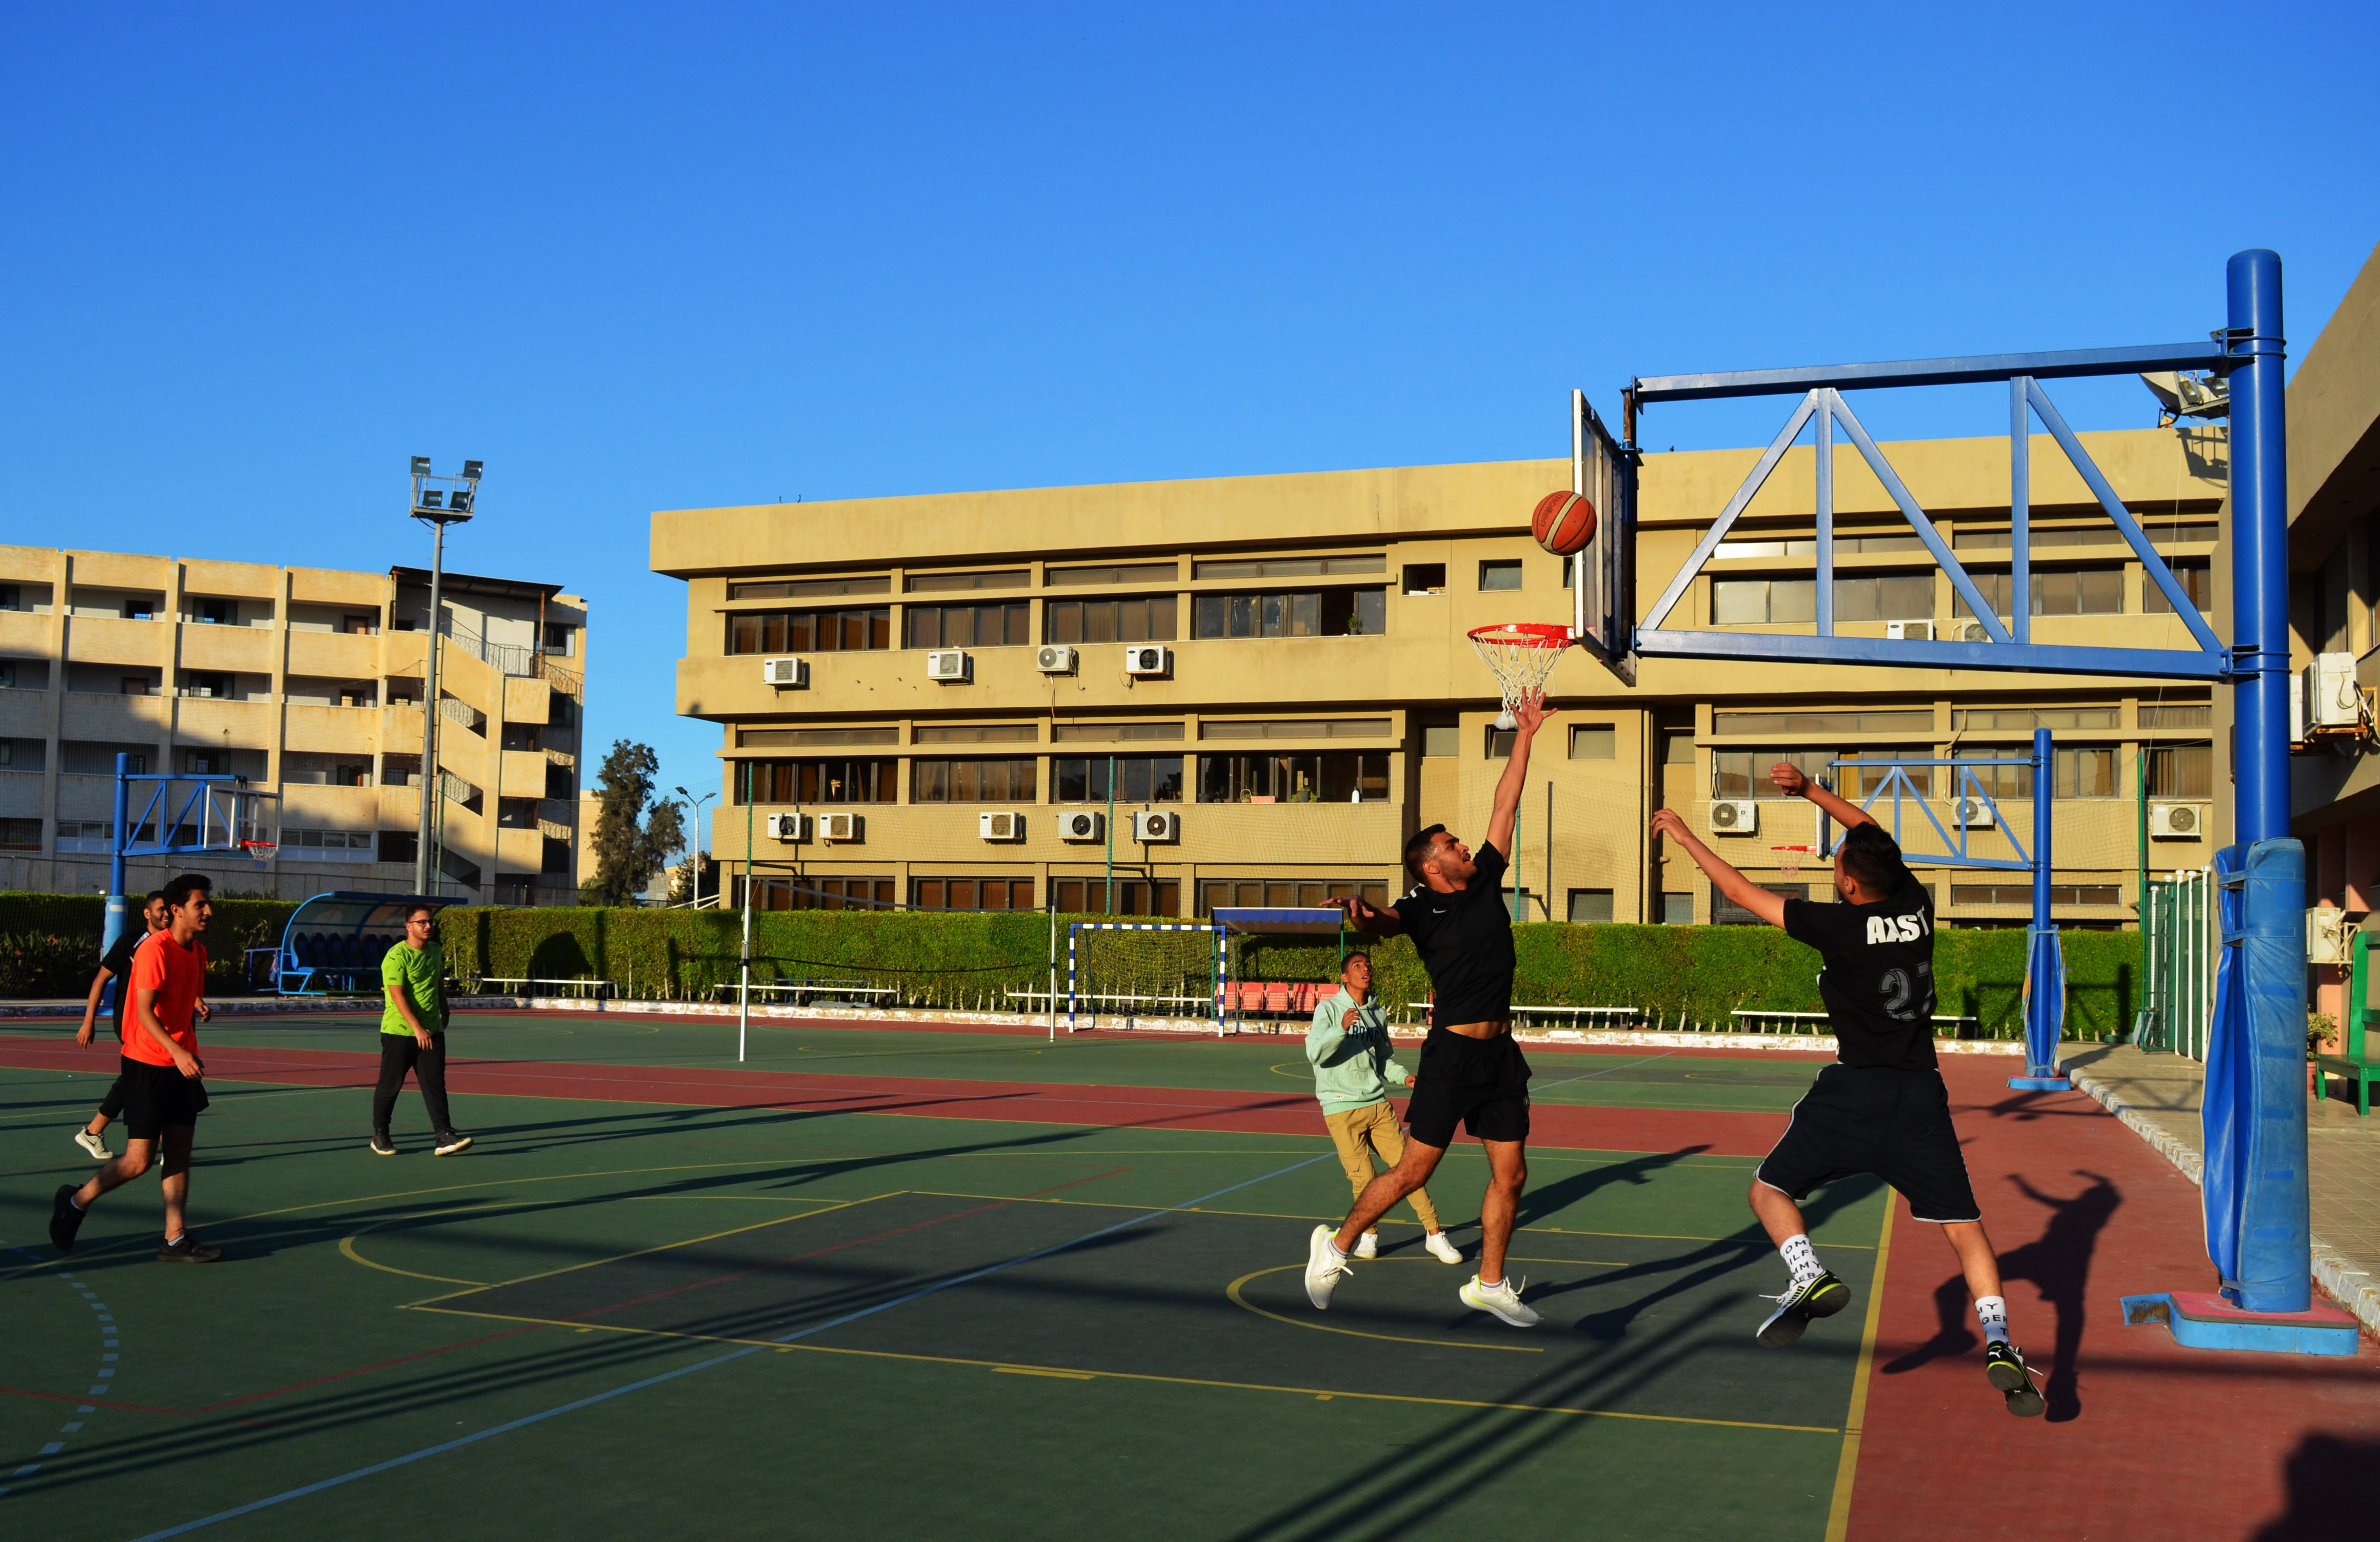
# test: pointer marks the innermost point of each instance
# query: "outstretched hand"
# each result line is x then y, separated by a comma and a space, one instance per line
1788, 778
1530, 712
1670, 822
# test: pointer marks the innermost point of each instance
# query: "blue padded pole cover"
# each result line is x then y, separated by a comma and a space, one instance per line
2255, 1187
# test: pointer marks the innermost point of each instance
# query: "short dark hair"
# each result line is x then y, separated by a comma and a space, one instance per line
1872, 857
418, 906
1418, 848
178, 893
152, 895
1360, 952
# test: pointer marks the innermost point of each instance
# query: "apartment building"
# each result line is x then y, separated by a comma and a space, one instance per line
307, 682
980, 699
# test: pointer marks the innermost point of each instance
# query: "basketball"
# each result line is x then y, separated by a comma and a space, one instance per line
1563, 524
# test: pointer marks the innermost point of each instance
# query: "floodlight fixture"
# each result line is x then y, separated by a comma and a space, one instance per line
2180, 395
421, 466
470, 471
429, 498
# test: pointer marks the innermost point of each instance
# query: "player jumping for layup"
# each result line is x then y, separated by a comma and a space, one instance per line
1471, 1070
1881, 1107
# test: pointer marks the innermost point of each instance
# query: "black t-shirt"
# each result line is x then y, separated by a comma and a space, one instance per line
118, 965
1878, 983
1465, 942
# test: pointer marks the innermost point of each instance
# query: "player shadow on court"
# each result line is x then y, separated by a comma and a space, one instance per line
2330, 1491
2058, 1263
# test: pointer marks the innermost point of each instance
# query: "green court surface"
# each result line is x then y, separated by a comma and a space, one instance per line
618, 1319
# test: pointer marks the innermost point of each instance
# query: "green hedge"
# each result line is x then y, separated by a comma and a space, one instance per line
49, 943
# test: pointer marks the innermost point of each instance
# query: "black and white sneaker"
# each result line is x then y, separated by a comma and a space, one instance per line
451, 1142
1822, 1297
65, 1219
190, 1250
2004, 1366
381, 1146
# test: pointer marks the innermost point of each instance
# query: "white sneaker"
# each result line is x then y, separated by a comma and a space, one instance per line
1368, 1245
92, 1144
1324, 1265
1443, 1249
1503, 1298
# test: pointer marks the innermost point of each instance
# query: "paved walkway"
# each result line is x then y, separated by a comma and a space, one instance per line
2158, 1096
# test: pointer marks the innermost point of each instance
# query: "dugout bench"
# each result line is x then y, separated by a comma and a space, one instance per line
2356, 1062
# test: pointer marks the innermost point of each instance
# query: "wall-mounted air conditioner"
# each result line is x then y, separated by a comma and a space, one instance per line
1909, 631
1157, 825
786, 671
1972, 631
2330, 696
1054, 658
1146, 659
949, 663
838, 827
1972, 812
1000, 827
2177, 822
1734, 816
2326, 935
789, 827
1081, 824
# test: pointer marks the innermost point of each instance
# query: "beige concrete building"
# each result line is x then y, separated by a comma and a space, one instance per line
308, 683
1314, 697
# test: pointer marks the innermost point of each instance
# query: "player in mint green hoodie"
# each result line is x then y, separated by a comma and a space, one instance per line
1348, 1047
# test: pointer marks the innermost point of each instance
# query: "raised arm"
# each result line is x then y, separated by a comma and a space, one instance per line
1790, 778
1724, 878
1369, 918
1529, 714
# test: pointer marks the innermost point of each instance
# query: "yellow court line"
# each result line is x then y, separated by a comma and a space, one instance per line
1232, 1291
659, 1247
1838, 1514
348, 1244
1141, 1376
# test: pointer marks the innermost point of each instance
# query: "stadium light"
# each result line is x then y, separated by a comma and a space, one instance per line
455, 510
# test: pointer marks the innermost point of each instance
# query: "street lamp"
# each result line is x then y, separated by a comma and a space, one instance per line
438, 502
694, 848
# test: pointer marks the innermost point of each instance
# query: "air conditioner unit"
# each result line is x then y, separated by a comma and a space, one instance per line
786, 671
789, 827
1146, 659
1055, 658
2177, 822
1000, 827
1909, 631
2326, 935
948, 664
1734, 816
1972, 812
1157, 825
1972, 631
2332, 699
838, 827
1081, 824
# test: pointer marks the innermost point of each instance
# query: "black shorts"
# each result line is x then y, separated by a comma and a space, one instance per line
1876, 1119
1482, 1084
157, 1099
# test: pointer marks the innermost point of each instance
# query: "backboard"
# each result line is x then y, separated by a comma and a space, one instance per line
1603, 594
169, 816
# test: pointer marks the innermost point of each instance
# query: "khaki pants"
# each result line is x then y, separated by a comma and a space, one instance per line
1359, 1132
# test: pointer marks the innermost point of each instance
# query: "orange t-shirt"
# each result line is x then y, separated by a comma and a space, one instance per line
178, 974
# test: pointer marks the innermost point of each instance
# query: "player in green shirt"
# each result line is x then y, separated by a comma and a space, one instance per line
413, 1033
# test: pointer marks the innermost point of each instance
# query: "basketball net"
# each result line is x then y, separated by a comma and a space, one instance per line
1521, 655
1788, 858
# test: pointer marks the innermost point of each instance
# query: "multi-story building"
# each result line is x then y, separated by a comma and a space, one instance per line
942, 687
307, 682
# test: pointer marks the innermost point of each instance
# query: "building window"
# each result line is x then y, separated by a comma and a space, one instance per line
329, 846
1884, 596
2084, 771
1142, 618
1964, 720
972, 781
1594, 741
1132, 896
1590, 904
810, 631
1312, 613
561, 638
972, 893
2022, 894
2057, 591
1502, 574
1327, 776
810, 588
2163, 715
1277, 894
834, 780
1113, 573
1677, 907
1498, 744
1138, 779
2087, 771
2197, 576
1797, 724
1742, 774
1290, 567
1858, 781
822, 894
1678, 747
2182, 771
1755, 602
953, 583
1442, 738
20, 834
1006, 625
1425, 578
1725, 912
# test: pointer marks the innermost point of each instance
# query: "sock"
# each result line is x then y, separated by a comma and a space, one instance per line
1992, 1312
1802, 1258
173, 1239
1336, 1251
76, 1202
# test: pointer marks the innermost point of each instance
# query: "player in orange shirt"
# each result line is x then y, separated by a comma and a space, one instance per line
165, 1092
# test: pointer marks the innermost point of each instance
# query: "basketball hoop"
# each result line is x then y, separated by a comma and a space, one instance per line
1788, 858
1521, 655
263, 851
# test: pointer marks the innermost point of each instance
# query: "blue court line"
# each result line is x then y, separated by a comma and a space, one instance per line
589, 1401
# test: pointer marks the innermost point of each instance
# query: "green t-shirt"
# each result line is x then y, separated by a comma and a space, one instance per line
420, 973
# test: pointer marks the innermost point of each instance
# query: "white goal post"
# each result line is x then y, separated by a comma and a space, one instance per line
1163, 971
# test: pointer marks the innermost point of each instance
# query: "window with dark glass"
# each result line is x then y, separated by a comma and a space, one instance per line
1138, 779
985, 781
1279, 893
1004, 625
2194, 575
1127, 896
833, 780
1326, 776
821, 893
972, 893
1137, 618
2056, 591
810, 631
2182, 771
1324, 614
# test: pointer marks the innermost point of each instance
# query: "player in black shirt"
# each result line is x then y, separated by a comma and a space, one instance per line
1471, 1071
118, 967
1881, 1107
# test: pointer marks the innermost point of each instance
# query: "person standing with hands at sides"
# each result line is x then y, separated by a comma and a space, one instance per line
1472, 1072
413, 1032
163, 1093
1348, 1047
1881, 1107
118, 965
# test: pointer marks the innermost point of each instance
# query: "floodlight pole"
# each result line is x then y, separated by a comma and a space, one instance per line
744, 965
435, 509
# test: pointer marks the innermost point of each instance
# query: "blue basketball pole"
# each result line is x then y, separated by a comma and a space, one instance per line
2045, 966
112, 926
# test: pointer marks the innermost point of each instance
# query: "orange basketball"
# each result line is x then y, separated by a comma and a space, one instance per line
1563, 524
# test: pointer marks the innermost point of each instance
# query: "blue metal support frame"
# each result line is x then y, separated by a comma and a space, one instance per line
158, 812
1973, 369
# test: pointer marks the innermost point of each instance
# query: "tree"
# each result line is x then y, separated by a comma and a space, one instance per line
635, 832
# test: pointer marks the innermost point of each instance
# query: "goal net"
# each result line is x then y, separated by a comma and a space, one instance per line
1148, 975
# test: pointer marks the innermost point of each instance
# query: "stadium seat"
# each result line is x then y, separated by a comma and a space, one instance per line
1252, 997
1276, 996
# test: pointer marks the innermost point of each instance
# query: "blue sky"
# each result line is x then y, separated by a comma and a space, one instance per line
645, 257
